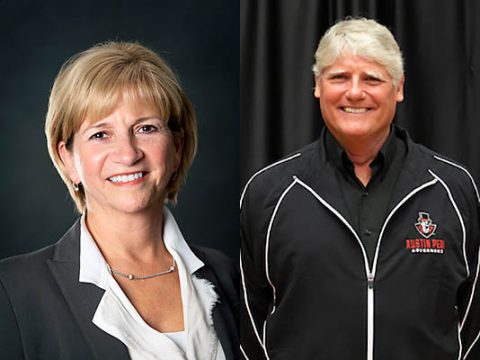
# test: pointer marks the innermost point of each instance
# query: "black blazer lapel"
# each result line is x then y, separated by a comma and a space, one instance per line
82, 298
224, 322
224, 313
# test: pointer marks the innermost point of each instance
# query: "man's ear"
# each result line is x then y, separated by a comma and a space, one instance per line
399, 95
67, 158
316, 92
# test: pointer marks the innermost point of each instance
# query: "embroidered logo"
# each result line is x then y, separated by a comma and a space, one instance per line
424, 225
426, 228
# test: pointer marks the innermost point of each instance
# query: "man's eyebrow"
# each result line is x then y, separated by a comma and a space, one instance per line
333, 73
375, 74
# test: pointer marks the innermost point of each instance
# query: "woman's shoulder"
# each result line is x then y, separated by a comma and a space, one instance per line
66, 248
26, 265
25, 276
24, 280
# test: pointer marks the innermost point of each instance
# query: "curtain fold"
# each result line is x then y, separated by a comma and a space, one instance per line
440, 45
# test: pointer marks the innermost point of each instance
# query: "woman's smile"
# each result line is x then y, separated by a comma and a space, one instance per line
131, 178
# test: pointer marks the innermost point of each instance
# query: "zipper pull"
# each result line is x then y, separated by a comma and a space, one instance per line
370, 280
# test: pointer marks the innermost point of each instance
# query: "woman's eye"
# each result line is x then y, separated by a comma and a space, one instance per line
98, 135
147, 129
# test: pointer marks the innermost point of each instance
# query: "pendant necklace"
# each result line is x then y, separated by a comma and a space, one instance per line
145, 277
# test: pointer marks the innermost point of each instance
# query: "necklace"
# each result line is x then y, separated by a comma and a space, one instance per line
145, 277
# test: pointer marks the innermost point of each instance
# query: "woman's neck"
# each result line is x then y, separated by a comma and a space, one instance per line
128, 238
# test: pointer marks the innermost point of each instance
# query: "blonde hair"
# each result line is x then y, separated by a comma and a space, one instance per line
89, 85
360, 37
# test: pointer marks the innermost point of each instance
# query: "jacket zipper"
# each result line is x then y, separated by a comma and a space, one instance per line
370, 273
370, 315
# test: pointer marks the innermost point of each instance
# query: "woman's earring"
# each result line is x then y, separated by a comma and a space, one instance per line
76, 187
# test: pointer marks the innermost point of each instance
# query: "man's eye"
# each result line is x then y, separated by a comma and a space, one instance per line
98, 136
338, 77
147, 129
373, 79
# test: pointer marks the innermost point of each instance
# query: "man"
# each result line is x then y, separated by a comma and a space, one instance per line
362, 245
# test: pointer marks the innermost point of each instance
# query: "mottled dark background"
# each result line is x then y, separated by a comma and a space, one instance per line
199, 39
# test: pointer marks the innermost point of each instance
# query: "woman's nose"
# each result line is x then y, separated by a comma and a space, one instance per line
126, 150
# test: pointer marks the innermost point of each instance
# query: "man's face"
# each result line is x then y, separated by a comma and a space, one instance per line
357, 98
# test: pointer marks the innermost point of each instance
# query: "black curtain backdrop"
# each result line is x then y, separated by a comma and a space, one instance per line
440, 41
199, 39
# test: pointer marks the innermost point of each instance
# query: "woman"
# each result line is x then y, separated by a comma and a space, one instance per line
122, 282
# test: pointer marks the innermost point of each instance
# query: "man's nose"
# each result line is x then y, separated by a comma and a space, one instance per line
355, 90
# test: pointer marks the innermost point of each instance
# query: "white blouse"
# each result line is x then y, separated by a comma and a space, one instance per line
116, 315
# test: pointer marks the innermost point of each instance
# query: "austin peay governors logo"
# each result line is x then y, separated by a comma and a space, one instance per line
424, 225
426, 228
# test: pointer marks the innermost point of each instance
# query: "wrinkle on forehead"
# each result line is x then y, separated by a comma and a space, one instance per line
340, 69
103, 107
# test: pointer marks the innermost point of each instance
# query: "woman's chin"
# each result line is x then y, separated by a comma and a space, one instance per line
134, 206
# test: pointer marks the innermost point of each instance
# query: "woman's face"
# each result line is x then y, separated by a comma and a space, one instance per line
125, 160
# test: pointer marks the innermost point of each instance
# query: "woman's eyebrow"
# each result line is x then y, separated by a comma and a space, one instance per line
100, 124
140, 119
104, 124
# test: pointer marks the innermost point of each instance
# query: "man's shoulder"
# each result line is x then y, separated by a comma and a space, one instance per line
445, 165
449, 171
280, 173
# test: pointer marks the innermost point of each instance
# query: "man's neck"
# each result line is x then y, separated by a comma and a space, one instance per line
361, 152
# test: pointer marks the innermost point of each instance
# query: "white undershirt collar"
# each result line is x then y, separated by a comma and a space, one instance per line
117, 316
93, 264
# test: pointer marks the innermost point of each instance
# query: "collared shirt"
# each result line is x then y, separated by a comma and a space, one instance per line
117, 316
368, 205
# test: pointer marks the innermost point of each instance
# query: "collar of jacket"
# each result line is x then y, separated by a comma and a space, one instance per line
83, 299
315, 170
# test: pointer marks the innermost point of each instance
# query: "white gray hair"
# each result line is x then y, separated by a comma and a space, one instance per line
360, 37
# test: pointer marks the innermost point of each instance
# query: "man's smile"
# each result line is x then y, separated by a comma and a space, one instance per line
353, 110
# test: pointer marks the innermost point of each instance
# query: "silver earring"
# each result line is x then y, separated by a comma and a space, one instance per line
76, 187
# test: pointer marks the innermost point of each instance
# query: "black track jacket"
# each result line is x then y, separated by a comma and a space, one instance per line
308, 291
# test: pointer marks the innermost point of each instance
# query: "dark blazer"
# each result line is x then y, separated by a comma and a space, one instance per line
46, 313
